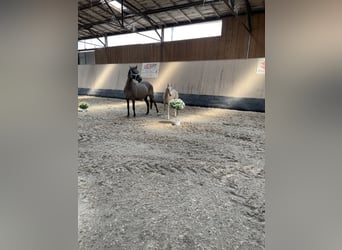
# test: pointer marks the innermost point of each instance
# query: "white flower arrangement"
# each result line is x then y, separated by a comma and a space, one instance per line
177, 104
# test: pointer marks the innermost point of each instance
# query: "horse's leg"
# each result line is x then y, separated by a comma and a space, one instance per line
148, 108
155, 104
133, 103
168, 112
127, 107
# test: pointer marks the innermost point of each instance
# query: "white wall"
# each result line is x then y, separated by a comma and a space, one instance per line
231, 78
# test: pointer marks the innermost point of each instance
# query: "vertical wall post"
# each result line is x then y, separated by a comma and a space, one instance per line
161, 58
106, 41
248, 44
105, 47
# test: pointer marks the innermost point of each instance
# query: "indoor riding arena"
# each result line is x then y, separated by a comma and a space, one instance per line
194, 179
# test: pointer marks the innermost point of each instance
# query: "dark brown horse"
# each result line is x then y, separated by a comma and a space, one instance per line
136, 89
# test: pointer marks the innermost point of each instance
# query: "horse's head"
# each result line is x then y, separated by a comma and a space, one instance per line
133, 73
169, 89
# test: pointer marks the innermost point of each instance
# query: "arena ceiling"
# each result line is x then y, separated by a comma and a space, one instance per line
98, 18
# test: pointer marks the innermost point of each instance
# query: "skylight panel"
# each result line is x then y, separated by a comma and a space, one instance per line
116, 5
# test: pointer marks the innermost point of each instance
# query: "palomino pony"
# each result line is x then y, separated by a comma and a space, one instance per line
169, 94
137, 90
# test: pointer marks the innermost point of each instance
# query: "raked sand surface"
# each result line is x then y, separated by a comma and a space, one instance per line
144, 183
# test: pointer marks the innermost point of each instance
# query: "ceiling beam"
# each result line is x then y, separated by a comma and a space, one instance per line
145, 14
166, 13
96, 35
174, 7
90, 5
231, 7
111, 10
199, 13
179, 6
214, 9
114, 25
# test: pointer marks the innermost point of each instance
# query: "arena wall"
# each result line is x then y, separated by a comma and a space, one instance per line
233, 84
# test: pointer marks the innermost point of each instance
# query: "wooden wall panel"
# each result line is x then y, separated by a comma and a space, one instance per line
257, 48
233, 44
128, 54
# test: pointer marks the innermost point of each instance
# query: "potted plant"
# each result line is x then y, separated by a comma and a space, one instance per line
177, 104
83, 106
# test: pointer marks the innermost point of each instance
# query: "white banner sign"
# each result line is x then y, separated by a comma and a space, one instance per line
150, 70
261, 66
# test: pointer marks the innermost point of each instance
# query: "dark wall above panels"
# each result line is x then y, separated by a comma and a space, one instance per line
235, 43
